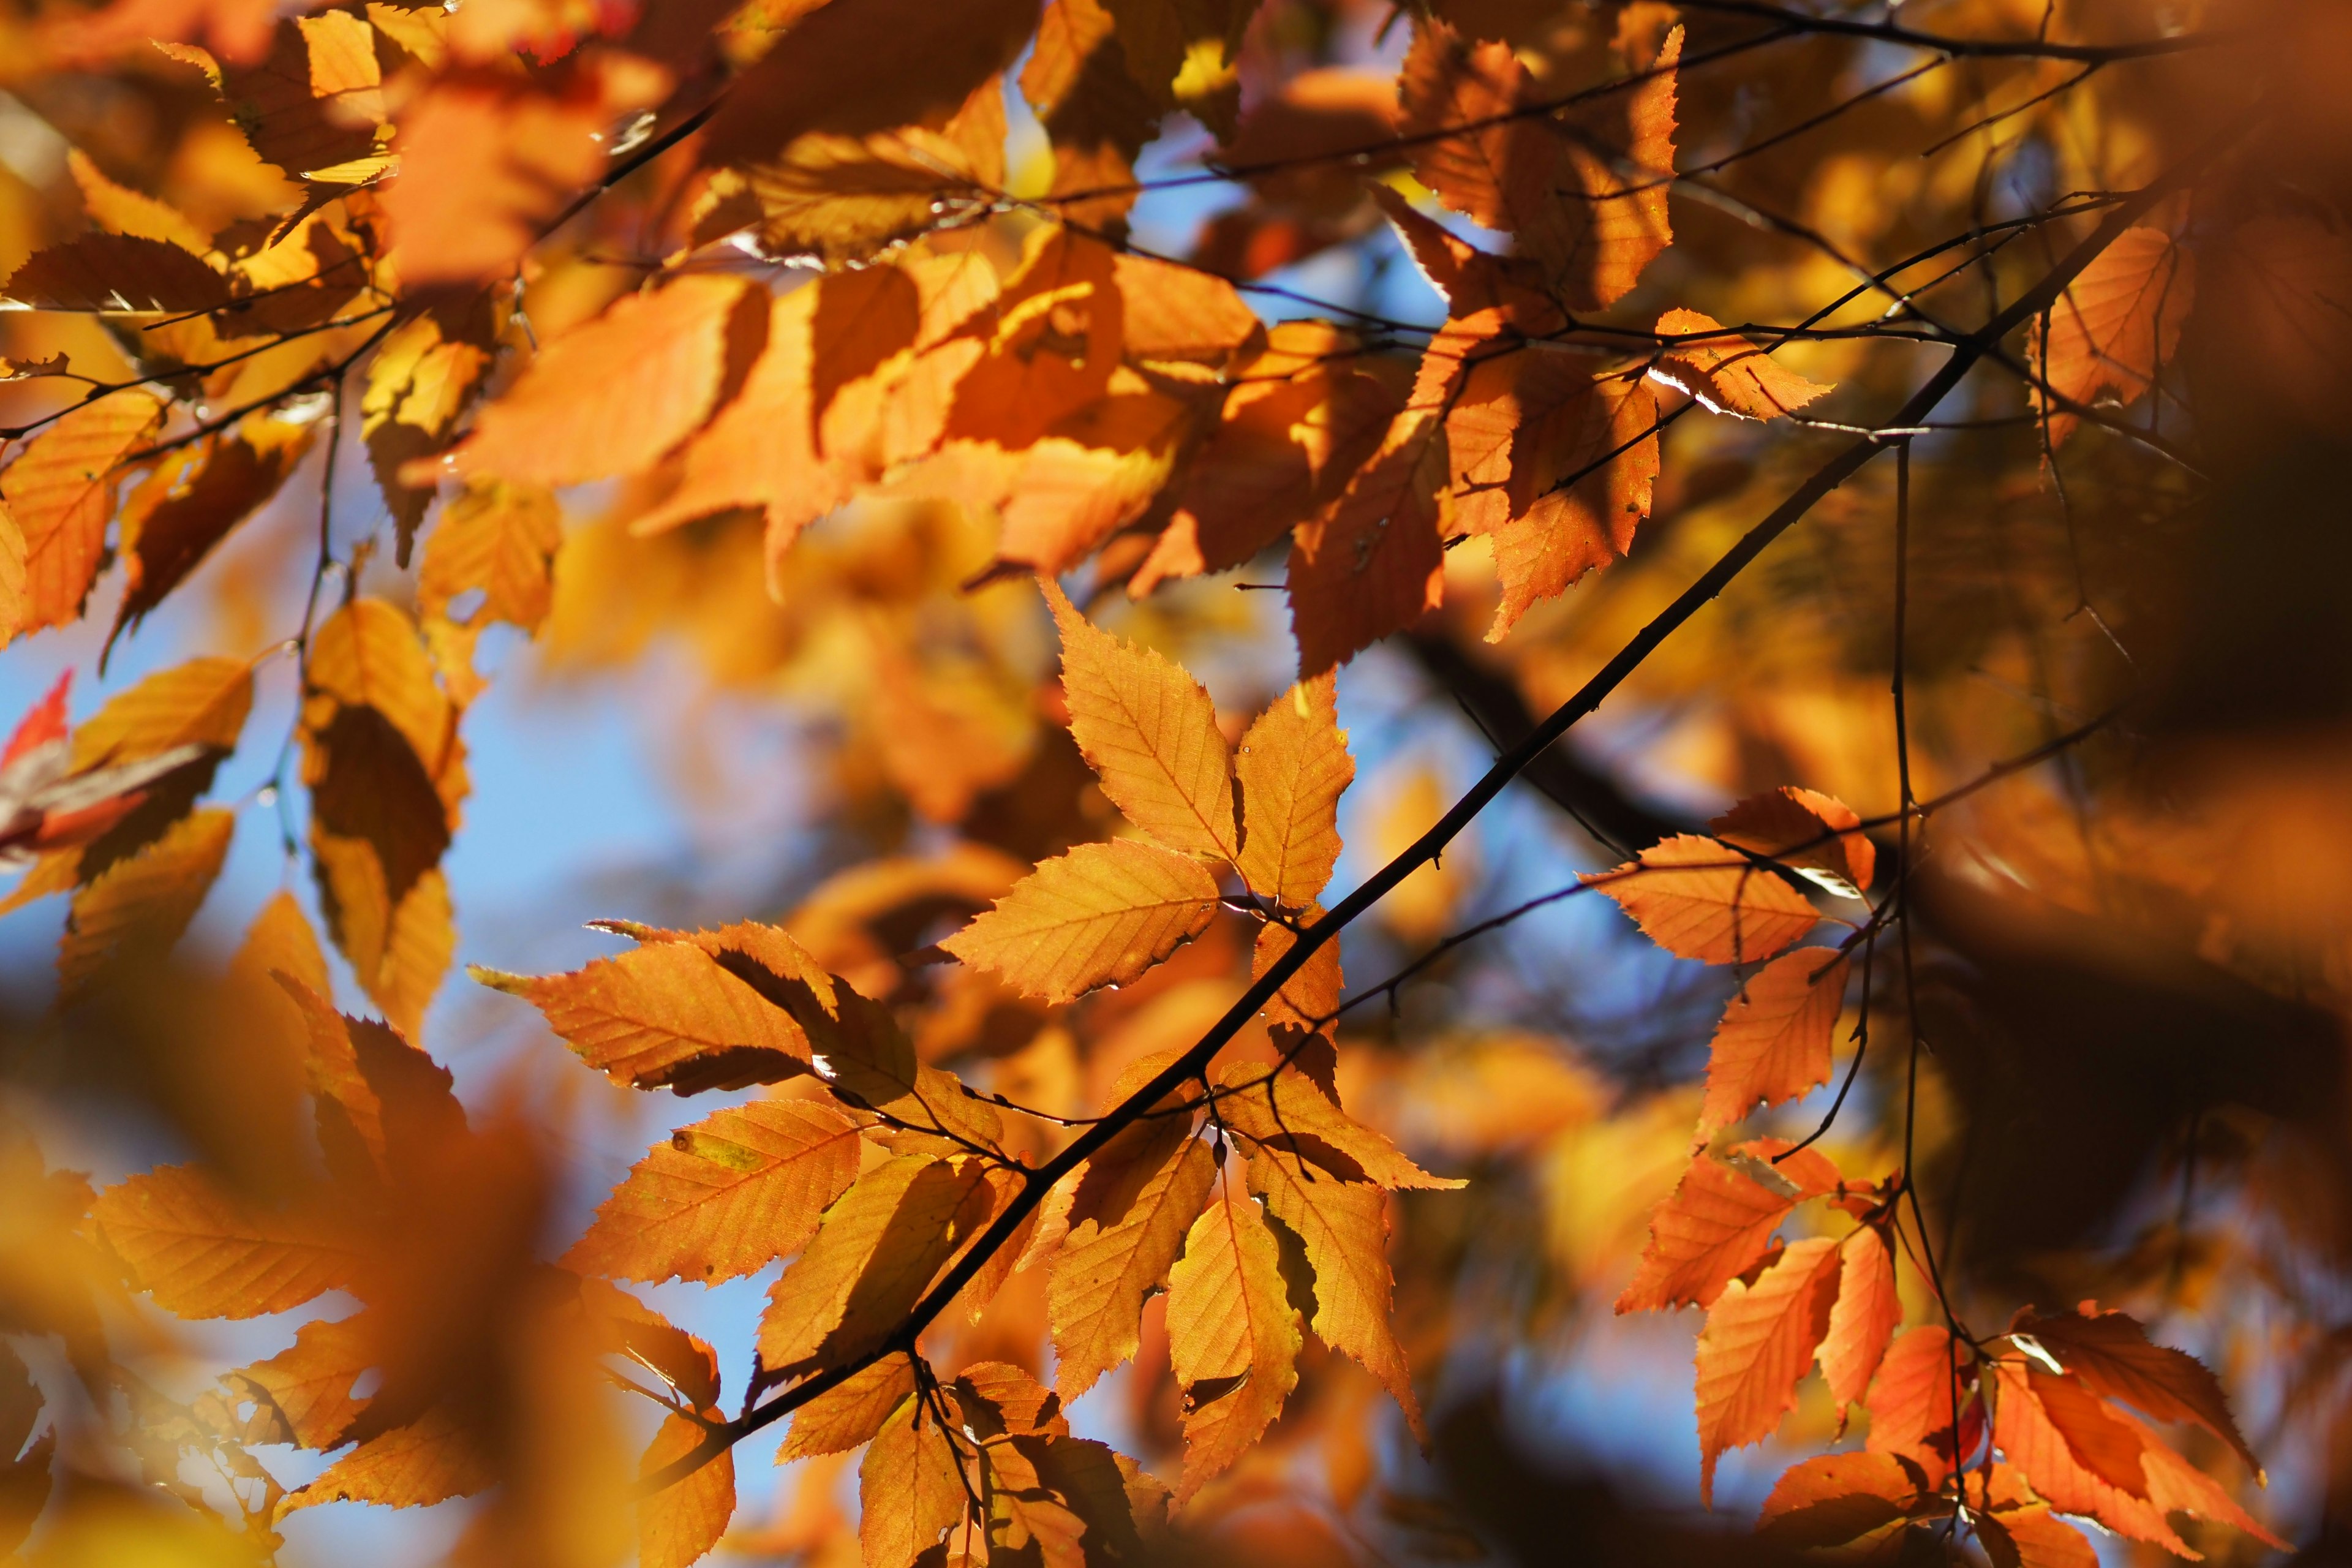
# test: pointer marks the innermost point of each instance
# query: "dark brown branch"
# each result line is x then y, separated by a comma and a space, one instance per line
1976, 48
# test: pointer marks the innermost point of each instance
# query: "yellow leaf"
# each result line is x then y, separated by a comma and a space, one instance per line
877, 1249
367, 655
666, 1014
1699, 898
1726, 372
1309, 1000
139, 907
60, 494
203, 702
121, 210
680, 1523
853, 1413
1292, 768
910, 1487
1345, 1229
1279, 1109
722, 1197
430, 1461
1117, 1256
502, 540
303, 1395
1101, 914
1150, 730
1232, 1336
202, 1253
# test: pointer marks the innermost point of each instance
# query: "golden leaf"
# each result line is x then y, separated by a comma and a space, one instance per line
499, 538
1292, 768
1232, 1336
60, 494
1116, 1256
1699, 898
138, 907
1101, 914
202, 1253
680, 1523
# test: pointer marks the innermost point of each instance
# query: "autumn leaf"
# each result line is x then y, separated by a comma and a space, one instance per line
879, 1248
1760, 1338
60, 494
176, 517
680, 1523
1101, 914
116, 274
722, 1197
2033, 1537
2113, 1356
1811, 834
1724, 371
666, 1014
1698, 899
1720, 1221
850, 1414
1150, 732
1281, 1110
2025, 1432
1232, 1336
1865, 1317
1292, 767
1833, 1499
1374, 562
612, 396
2117, 325
1344, 1227
910, 1487
204, 1253
430, 1461
1115, 1258
1309, 1000
424, 375
138, 907
1773, 1044
500, 539
1917, 1398
304, 1395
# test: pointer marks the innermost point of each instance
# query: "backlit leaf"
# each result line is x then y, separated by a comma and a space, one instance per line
853, 1413
500, 539
910, 1487
1865, 1316
1373, 561
432, 1460
116, 273
1773, 1044
1832, 1498
1114, 1259
1280, 1109
1917, 1398
139, 907
201, 1252
1726, 372
1757, 1342
60, 493
1292, 767
304, 1395
1232, 1336
1720, 1221
173, 521
2112, 1355
724, 1196
1101, 914
1698, 899
2117, 324
1808, 832
679, 1524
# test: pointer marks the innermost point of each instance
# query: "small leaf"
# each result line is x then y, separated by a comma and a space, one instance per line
502, 540
2113, 1355
1834, 1498
1150, 730
850, 1414
1810, 833
1101, 914
60, 494
1698, 899
139, 906
2033, 1537
1757, 1342
1374, 562
723, 1198
680, 1523
1230, 1322
1773, 1044
430, 1461
170, 522
2117, 324
303, 1395
910, 1487
1727, 372
1279, 1109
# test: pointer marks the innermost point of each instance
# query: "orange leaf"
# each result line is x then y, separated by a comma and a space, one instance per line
1757, 1342
1292, 768
2118, 323
423, 376
851, 1413
303, 1395
722, 1197
173, 521
204, 1253
1774, 1041
1726, 372
1345, 1229
664, 1014
2112, 1355
1374, 562
1584, 192
1308, 999
1049, 342
1554, 460
1280, 1109
1865, 1317
1916, 1397
1117, 1256
1150, 731
2039, 1447
2033, 1537
910, 1487
1101, 914
1813, 833
430, 1461
612, 396
1698, 899
1834, 1498
60, 493
502, 540
138, 907
679, 1524
1232, 1336
876, 1251
1100, 469
1719, 1220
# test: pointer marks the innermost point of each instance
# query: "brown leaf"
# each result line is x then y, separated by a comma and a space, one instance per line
724, 1196
1813, 833
1101, 914
1757, 1342
1114, 1259
1049, 343
845, 200
174, 519
2112, 1355
1698, 899
60, 494
202, 1253
1374, 561
1720, 1221
116, 274
2033, 1537
680, 1523
1773, 1044
2117, 325
1232, 1336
